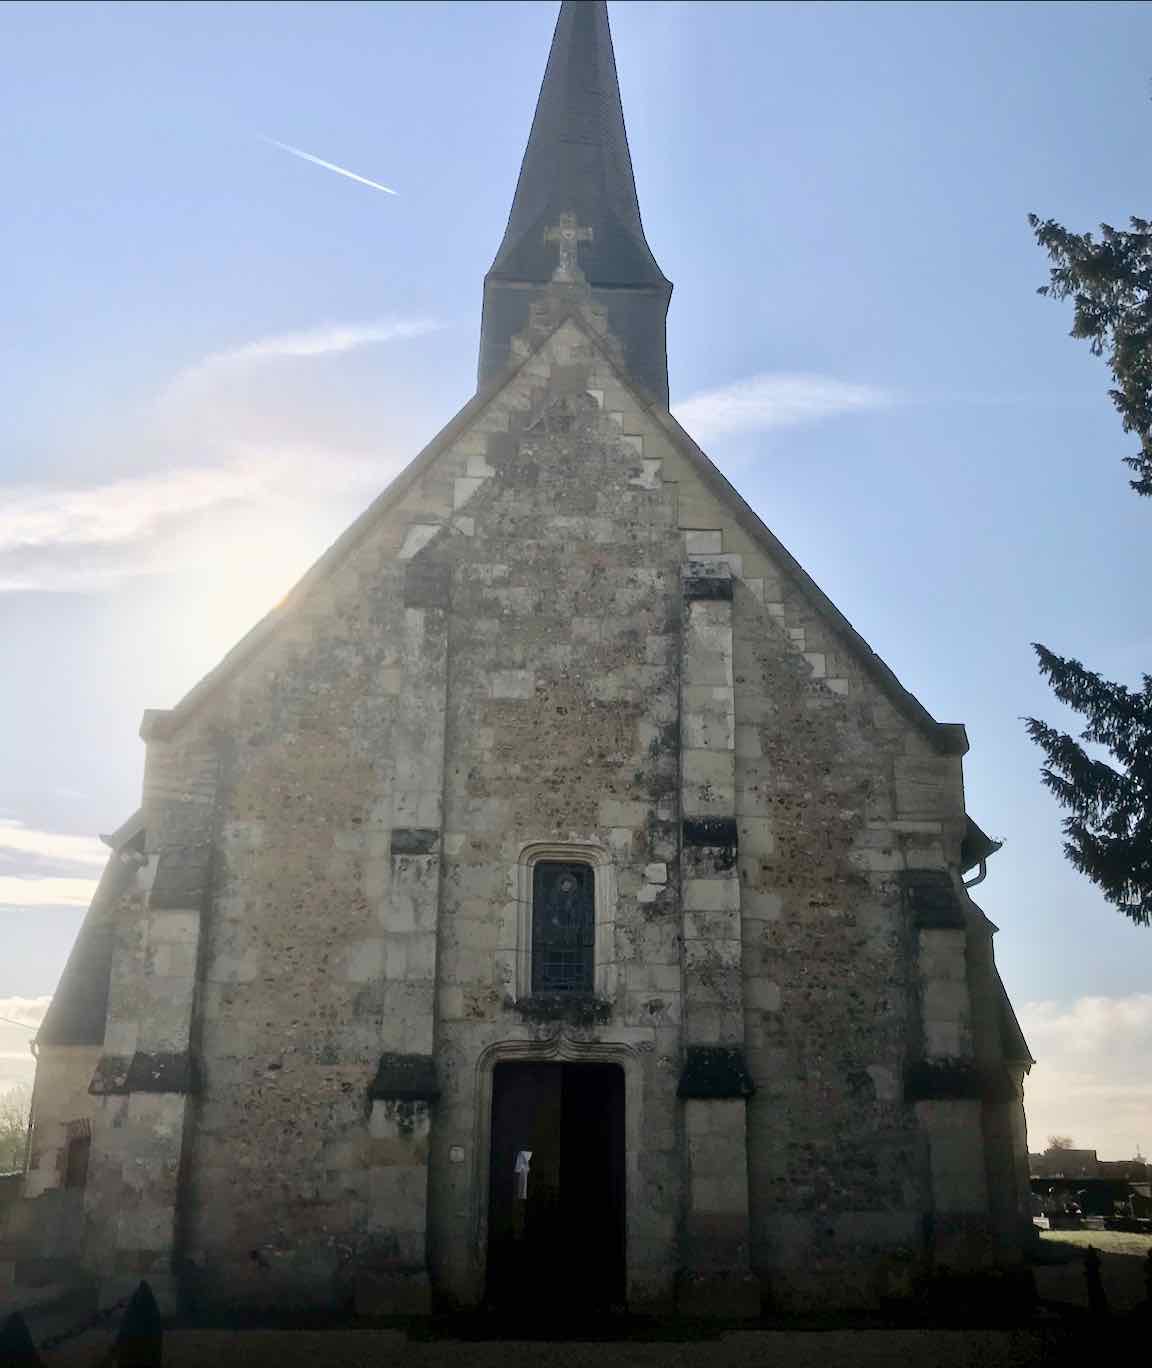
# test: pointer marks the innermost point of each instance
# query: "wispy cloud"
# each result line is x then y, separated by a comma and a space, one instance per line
19, 1018
327, 165
91, 538
776, 400
27, 1011
246, 454
326, 340
115, 512
51, 891
43, 868
131, 514
36, 866
1091, 1078
16, 839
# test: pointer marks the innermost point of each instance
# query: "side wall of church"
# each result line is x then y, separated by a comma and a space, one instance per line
61, 1109
45, 1228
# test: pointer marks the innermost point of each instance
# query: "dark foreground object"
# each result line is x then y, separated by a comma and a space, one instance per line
16, 1347
140, 1343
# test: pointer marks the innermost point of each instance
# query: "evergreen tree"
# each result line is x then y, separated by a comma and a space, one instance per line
1110, 282
1109, 830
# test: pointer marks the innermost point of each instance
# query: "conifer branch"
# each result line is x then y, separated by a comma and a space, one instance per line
1109, 829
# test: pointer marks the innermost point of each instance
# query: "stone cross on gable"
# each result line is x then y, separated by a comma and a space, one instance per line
568, 236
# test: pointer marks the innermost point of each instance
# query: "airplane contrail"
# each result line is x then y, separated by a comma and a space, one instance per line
329, 166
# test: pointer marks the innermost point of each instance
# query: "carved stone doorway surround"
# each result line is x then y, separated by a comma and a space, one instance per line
561, 1048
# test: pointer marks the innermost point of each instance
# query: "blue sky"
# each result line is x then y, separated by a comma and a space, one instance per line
214, 353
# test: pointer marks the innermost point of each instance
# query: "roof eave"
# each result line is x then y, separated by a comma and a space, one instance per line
976, 846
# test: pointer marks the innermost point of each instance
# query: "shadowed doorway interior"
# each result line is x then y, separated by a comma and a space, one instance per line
556, 1193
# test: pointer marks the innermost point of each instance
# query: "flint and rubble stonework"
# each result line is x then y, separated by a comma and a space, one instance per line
556, 638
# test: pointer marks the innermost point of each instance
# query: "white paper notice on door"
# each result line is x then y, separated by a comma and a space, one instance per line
520, 1168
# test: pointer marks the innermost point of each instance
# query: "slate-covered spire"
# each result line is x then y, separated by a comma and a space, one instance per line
577, 174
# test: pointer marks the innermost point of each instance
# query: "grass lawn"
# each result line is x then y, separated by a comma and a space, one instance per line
1106, 1241
1122, 1264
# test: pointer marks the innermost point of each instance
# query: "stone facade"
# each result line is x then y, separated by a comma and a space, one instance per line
560, 634
553, 637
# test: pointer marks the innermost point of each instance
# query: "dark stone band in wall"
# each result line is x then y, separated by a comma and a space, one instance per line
183, 876
111, 1076
426, 583
414, 840
707, 861
715, 1071
709, 831
708, 587
162, 1071
932, 900
958, 1081
404, 1078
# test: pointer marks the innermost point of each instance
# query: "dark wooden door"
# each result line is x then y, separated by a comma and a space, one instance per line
556, 1232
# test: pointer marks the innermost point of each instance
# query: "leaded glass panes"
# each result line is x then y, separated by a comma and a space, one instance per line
563, 927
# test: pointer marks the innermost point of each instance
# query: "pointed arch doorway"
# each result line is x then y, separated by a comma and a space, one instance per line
556, 1230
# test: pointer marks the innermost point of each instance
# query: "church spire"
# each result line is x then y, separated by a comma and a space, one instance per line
575, 215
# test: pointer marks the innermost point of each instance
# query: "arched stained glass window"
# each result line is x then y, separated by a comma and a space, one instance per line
563, 927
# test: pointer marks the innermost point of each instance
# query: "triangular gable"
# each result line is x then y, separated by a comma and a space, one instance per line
946, 737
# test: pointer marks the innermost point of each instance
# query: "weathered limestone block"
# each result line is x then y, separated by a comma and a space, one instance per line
948, 1086
392, 1273
715, 1276
709, 878
149, 1069
1002, 1057
716, 1279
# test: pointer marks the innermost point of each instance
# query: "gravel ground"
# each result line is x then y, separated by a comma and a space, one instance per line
1059, 1277
745, 1349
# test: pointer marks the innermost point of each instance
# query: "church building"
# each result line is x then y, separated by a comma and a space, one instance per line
554, 896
